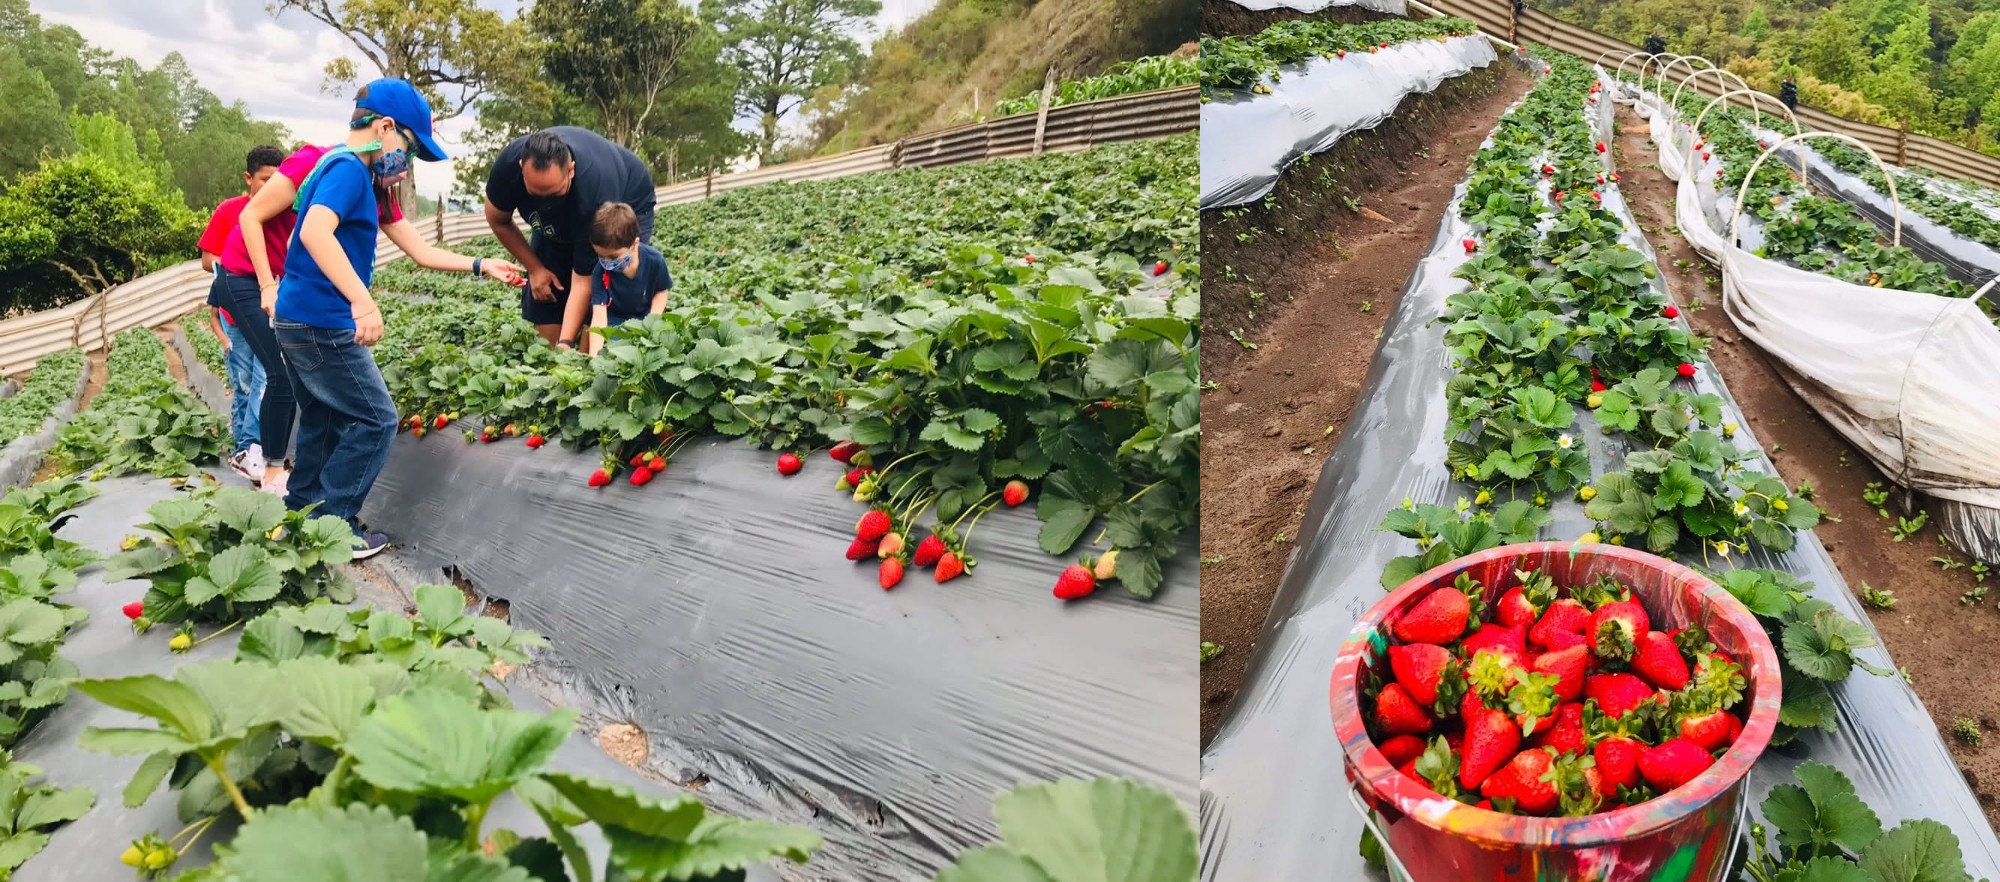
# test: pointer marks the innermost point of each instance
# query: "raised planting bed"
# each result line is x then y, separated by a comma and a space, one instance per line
32, 417
142, 421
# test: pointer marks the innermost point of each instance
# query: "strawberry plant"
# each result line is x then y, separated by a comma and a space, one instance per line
225, 554
1446, 534
53, 382
1824, 832
31, 809
1817, 646
142, 421
1697, 488
1073, 831
1647, 407
206, 347
1240, 63
29, 517
1127, 77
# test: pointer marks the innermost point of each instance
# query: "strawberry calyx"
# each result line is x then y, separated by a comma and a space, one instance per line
1532, 699
1438, 766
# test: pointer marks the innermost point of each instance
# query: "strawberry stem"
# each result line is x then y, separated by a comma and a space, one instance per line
965, 539
219, 632
972, 508
885, 469
221, 770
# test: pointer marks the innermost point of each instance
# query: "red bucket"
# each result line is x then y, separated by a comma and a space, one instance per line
1687, 835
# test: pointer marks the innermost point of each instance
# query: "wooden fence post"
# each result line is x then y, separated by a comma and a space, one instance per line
444, 199
1514, 22
1042, 117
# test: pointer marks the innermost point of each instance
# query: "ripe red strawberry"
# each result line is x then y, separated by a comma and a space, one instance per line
535, 442
639, 459
1658, 661
1566, 734
1385, 44
1616, 694
928, 551
1521, 781
417, 432
642, 476
1559, 195
1416, 667
1614, 176
1396, 713
844, 451
1437, 619
1672, 312
1617, 763
1076, 581
1402, 749
891, 573
854, 476
440, 423
949, 567
789, 464
1570, 667
1491, 739
1160, 269
1600, 146
1564, 616
1673, 763
135, 609
658, 465
1711, 731
1029, 258
862, 549
1598, 386
1522, 605
1014, 493
1509, 644
873, 524
1600, 179
1470, 246
1704, 158
1548, 170
1561, 640
1685, 370
600, 478
1615, 628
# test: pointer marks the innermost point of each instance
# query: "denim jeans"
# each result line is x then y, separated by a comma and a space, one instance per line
246, 387
280, 406
346, 418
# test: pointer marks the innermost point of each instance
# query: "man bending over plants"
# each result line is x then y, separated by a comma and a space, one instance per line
325, 317
631, 280
557, 179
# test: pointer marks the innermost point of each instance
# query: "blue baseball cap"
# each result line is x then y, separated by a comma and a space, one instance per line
400, 101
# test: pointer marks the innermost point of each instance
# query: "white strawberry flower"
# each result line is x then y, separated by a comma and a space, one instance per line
1565, 442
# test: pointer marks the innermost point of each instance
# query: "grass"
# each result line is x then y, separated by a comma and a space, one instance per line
1967, 731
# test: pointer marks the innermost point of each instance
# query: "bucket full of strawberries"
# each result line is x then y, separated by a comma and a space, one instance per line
1545, 711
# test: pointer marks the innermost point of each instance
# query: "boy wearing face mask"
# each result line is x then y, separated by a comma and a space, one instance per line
631, 280
325, 317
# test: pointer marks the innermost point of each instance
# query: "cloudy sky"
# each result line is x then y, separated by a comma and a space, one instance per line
241, 52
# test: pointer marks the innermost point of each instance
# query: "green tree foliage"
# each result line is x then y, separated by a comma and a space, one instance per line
107, 168
1934, 65
786, 51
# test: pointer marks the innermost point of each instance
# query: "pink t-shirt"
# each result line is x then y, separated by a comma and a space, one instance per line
278, 230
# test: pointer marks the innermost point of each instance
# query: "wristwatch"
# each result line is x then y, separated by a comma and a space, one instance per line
475, 264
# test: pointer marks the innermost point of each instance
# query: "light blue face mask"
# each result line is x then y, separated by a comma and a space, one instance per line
616, 266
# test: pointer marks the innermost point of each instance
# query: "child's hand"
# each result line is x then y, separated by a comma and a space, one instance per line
501, 271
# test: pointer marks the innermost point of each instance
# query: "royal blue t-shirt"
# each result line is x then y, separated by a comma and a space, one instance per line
631, 297
305, 295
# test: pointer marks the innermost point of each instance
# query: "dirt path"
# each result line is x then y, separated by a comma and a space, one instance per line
1929, 631
174, 366
1280, 409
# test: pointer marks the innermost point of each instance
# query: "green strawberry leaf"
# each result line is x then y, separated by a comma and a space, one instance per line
1919, 850
1106, 830
433, 742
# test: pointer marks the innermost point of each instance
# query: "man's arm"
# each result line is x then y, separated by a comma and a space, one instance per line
502, 223
577, 309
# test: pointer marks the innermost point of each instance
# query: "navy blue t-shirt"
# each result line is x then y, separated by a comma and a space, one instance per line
631, 297
305, 295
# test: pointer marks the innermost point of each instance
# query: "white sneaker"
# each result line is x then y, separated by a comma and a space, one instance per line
249, 464
276, 485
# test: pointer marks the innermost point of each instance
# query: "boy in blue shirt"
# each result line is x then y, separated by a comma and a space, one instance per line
326, 318
631, 280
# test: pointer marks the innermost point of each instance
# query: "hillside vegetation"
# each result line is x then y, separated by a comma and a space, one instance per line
1932, 65
927, 75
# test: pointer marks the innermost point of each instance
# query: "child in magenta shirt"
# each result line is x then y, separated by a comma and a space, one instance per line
246, 373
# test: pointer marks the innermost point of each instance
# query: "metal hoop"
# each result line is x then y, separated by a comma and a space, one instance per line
1896, 235
1661, 85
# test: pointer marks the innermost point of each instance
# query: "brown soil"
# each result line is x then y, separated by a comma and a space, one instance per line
175, 368
1223, 19
1280, 409
1929, 632
100, 373
1329, 199
625, 742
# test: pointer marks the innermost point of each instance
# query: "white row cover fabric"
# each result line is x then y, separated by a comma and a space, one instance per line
1908, 378
1249, 140
1391, 7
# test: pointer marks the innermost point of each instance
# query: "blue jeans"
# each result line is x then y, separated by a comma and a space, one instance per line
346, 418
280, 407
246, 388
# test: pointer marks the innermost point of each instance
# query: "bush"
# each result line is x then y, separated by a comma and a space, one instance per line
81, 224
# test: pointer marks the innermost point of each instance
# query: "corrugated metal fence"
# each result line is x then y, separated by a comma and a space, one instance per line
1894, 145
160, 297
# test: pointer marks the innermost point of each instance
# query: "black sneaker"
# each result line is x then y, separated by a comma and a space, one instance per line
367, 545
